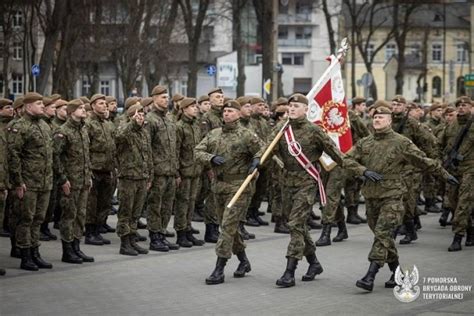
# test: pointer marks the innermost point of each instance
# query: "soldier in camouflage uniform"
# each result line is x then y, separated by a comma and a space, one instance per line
230, 150
299, 188
30, 158
72, 168
462, 166
135, 174
162, 133
102, 157
384, 187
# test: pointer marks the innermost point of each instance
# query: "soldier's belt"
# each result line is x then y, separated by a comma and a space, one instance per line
231, 177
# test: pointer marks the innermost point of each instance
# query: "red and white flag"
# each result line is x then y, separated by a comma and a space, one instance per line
328, 109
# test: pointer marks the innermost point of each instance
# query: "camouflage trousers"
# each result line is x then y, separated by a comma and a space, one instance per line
204, 199
100, 198
463, 198
384, 216
230, 241
333, 211
132, 196
299, 200
412, 181
184, 203
160, 203
31, 214
73, 219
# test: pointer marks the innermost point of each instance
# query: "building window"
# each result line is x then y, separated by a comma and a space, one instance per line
437, 52
461, 53
86, 87
17, 51
390, 50
303, 32
436, 87
282, 32
17, 84
17, 20
292, 58
104, 87
370, 51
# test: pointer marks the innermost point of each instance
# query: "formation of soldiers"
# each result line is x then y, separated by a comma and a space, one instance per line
63, 160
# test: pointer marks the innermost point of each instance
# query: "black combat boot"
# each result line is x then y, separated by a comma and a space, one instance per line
125, 246
410, 234
390, 284
363, 220
469, 233
135, 245
182, 239
456, 244
91, 238
430, 206
44, 229
36, 256
69, 255
288, 277
325, 238
217, 276
280, 227
367, 282
314, 268
170, 245
352, 215
77, 249
156, 244
194, 240
244, 265
15, 251
209, 235
443, 220
26, 260
105, 241
341, 232
312, 224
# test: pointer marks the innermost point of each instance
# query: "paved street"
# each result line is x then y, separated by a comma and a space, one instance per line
173, 283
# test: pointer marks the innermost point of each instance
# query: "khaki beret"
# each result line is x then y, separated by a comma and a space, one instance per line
96, 97
382, 103
134, 108
436, 106
358, 100
146, 101
256, 100
382, 110
281, 109
110, 98
31, 97
158, 90
18, 103
449, 109
298, 97
177, 97
59, 103
281, 101
203, 98
47, 101
187, 102
131, 101
85, 99
232, 104
463, 99
5, 102
55, 97
73, 105
215, 90
399, 98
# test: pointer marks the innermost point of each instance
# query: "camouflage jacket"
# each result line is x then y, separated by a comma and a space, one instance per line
135, 159
4, 181
56, 123
30, 154
466, 151
188, 135
102, 145
71, 155
162, 133
397, 151
211, 119
358, 128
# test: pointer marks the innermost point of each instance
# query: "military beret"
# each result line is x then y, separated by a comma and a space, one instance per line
281, 109
177, 97
298, 97
85, 99
18, 103
5, 102
55, 97
436, 106
399, 98
281, 101
73, 105
215, 90
146, 101
31, 97
187, 102
449, 109
110, 98
203, 98
243, 100
463, 99
131, 101
358, 100
96, 97
256, 100
232, 104
382, 110
158, 90
47, 101
134, 108
59, 103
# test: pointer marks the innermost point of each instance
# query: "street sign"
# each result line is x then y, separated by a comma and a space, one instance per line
469, 80
211, 70
35, 70
267, 86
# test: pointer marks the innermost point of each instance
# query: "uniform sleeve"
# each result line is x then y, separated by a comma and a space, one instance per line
352, 160
15, 145
202, 152
59, 146
329, 147
418, 159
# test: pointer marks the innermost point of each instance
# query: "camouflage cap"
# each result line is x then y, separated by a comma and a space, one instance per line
256, 100
97, 97
232, 104
463, 99
146, 101
177, 97
399, 98
187, 102
18, 103
31, 97
215, 90
131, 101
134, 108
281, 101
203, 98
5, 102
73, 105
358, 100
436, 106
110, 98
158, 90
299, 98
